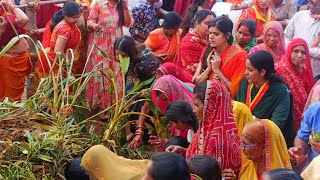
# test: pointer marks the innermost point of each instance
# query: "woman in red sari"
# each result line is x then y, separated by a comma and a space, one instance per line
164, 41
222, 60
217, 135
61, 33
174, 70
261, 13
295, 68
195, 40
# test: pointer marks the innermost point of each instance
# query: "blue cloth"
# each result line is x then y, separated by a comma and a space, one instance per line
311, 121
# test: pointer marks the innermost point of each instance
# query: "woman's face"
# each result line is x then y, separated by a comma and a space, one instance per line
158, 74
172, 31
178, 125
198, 109
120, 53
263, 4
147, 172
252, 151
73, 19
162, 96
217, 38
252, 73
202, 27
272, 38
298, 55
243, 36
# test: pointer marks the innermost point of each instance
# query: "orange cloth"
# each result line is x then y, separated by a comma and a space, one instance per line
166, 50
233, 65
13, 70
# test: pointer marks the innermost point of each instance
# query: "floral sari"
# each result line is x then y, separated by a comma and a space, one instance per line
173, 89
174, 70
166, 50
276, 153
217, 135
299, 83
274, 25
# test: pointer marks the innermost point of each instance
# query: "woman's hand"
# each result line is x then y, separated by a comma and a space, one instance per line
296, 153
157, 141
96, 27
3, 25
215, 62
229, 174
137, 140
177, 149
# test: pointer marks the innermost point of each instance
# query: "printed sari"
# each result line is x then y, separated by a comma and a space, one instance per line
217, 135
255, 13
174, 70
274, 25
173, 89
276, 152
191, 48
299, 83
167, 50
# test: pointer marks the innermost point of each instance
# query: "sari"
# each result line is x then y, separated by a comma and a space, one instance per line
181, 6
233, 66
275, 104
217, 135
274, 25
166, 50
174, 70
314, 95
69, 32
248, 47
255, 14
312, 170
173, 89
191, 48
103, 164
300, 84
276, 153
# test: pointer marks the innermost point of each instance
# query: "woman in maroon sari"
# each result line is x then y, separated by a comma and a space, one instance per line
295, 68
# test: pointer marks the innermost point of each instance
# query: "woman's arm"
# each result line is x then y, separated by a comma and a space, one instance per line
22, 19
60, 45
127, 15
3, 25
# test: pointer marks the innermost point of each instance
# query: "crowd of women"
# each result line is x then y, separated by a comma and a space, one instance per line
240, 105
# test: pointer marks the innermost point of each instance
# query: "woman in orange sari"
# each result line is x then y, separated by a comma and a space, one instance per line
15, 62
222, 60
295, 68
261, 13
164, 41
61, 33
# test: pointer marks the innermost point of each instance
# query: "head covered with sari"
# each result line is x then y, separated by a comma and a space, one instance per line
276, 26
265, 133
173, 89
101, 163
314, 95
299, 83
169, 68
217, 135
258, 11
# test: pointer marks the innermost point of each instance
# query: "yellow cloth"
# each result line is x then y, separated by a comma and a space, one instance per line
276, 153
312, 170
103, 164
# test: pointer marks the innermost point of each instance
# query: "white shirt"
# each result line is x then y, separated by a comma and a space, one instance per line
190, 135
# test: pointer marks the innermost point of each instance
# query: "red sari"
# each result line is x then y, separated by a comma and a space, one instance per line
49, 39
191, 48
181, 6
217, 135
174, 70
299, 83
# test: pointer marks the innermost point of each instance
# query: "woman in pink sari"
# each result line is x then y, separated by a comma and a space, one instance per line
273, 41
169, 68
295, 68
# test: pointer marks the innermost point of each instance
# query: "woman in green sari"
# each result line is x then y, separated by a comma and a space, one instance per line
266, 95
245, 35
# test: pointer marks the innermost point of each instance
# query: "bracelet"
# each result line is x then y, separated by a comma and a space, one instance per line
12, 6
139, 132
139, 127
226, 80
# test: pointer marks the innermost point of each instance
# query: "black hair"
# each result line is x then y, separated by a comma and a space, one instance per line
74, 171
69, 9
206, 167
171, 20
264, 60
223, 24
193, 16
250, 24
177, 141
181, 110
121, 13
283, 174
146, 66
200, 91
169, 166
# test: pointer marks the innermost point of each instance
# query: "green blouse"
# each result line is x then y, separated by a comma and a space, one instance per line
248, 47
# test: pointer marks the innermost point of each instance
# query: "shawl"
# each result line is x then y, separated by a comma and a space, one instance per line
103, 164
299, 84
169, 68
173, 89
248, 47
314, 95
276, 153
217, 135
274, 25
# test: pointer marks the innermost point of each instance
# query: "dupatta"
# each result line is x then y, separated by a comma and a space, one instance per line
169, 68
299, 84
173, 89
276, 153
217, 135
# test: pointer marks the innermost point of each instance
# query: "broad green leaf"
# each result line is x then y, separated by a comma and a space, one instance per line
124, 62
103, 53
45, 157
